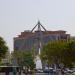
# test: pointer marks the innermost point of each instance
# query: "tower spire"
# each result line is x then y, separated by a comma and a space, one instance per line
39, 22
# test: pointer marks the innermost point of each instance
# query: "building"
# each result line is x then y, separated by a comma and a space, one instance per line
35, 39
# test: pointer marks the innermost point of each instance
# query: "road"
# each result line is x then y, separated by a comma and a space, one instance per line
41, 74
29, 74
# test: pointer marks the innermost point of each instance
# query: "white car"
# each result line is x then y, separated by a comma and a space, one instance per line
39, 71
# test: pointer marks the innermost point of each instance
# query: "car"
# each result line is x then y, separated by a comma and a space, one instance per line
39, 70
54, 71
50, 70
67, 70
70, 71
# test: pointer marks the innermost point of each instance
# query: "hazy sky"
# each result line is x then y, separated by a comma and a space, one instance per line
19, 15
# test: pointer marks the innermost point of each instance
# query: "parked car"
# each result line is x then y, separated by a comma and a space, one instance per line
50, 70
39, 70
67, 70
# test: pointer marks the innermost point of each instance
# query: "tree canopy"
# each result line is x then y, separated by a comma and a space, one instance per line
59, 52
3, 48
24, 58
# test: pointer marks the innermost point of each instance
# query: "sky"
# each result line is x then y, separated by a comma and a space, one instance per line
17, 16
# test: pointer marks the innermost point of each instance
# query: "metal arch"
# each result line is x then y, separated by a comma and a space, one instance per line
39, 27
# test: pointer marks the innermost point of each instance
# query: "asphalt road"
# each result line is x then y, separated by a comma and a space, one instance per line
41, 74
29, 74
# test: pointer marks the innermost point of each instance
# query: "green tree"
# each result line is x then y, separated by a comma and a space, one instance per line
68, 55
3, 48
28, 60
59, 52
24, 59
